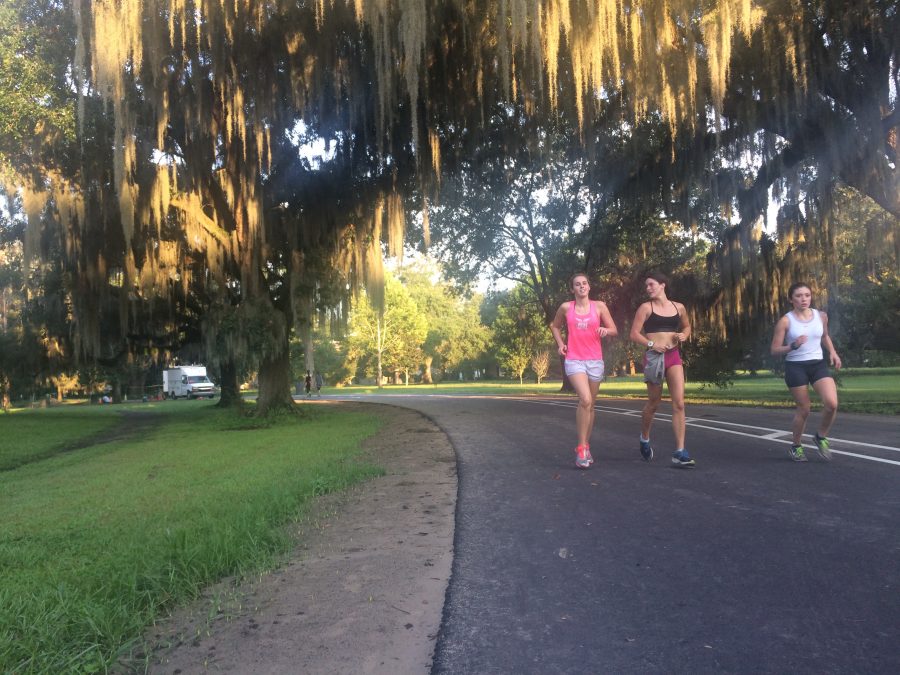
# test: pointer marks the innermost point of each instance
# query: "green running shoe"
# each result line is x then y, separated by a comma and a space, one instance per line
822, 447
797, 453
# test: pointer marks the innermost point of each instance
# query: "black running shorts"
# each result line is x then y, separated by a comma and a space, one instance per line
802, 373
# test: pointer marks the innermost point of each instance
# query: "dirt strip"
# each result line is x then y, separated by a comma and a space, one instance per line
364, 590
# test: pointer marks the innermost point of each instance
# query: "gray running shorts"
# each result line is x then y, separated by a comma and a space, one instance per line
593, 368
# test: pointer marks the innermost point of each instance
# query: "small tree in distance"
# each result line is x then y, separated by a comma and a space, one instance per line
390, 339
516, 361
540, 364
518, 329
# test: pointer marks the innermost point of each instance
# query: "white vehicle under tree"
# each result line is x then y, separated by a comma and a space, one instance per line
187, 382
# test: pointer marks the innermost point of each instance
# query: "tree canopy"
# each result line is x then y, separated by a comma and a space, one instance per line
184, 187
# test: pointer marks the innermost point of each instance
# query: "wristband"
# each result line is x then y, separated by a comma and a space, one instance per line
794, 346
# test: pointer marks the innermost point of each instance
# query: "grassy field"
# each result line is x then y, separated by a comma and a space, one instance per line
27, 436
861, 390
96, 542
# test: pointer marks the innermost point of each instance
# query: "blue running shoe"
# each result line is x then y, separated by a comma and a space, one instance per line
683, 459
646, 451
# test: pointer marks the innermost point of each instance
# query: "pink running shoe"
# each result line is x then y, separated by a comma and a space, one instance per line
582, 455
590, 458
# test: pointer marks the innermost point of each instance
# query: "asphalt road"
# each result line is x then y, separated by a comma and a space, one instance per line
749, 563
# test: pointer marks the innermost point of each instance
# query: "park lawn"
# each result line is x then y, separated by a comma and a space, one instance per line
861, 393
27, 436
478, 388
859, 390
97, 542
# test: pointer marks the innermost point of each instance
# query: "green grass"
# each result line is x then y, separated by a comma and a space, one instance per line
29, 435
859, 390
97, 542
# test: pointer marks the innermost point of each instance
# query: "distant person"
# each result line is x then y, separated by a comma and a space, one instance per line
319, 383
308, 384
661, 325
586, 322
799, 336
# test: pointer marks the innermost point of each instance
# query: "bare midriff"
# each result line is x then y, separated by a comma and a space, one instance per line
665, 340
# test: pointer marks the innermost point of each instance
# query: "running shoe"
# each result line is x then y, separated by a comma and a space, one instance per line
590, 458
822, 447
797, 453
646, 451
682, 458
581, 457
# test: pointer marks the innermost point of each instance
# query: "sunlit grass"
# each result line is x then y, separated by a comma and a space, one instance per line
96, 542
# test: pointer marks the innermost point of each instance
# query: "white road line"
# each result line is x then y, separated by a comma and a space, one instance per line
774, 434
869, 457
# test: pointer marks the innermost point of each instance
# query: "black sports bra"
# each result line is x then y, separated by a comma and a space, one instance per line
662, 324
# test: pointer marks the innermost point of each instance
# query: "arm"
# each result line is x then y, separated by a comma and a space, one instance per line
556, 328
833, 357
640, 316
607, 325
778, 348
684, 327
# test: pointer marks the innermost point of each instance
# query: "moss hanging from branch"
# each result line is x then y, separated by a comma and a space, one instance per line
204, 93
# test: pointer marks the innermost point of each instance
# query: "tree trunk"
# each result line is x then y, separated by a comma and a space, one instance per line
230, 391
308, 348
426, 375
378, 348
275, 383
4, 393
139, 383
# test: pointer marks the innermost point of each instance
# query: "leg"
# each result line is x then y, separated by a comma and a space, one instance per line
584, 413
654, 394
675, 380
827, 391
801, 396
594, 388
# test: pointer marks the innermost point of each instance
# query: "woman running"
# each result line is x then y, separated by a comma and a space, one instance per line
799, 336
586, 321
661, 326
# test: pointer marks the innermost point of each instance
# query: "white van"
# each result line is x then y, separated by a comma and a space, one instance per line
187, 382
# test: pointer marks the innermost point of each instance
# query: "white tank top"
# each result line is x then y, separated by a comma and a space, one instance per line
814, 329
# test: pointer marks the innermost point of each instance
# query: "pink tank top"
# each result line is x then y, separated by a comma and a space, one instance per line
583, 342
